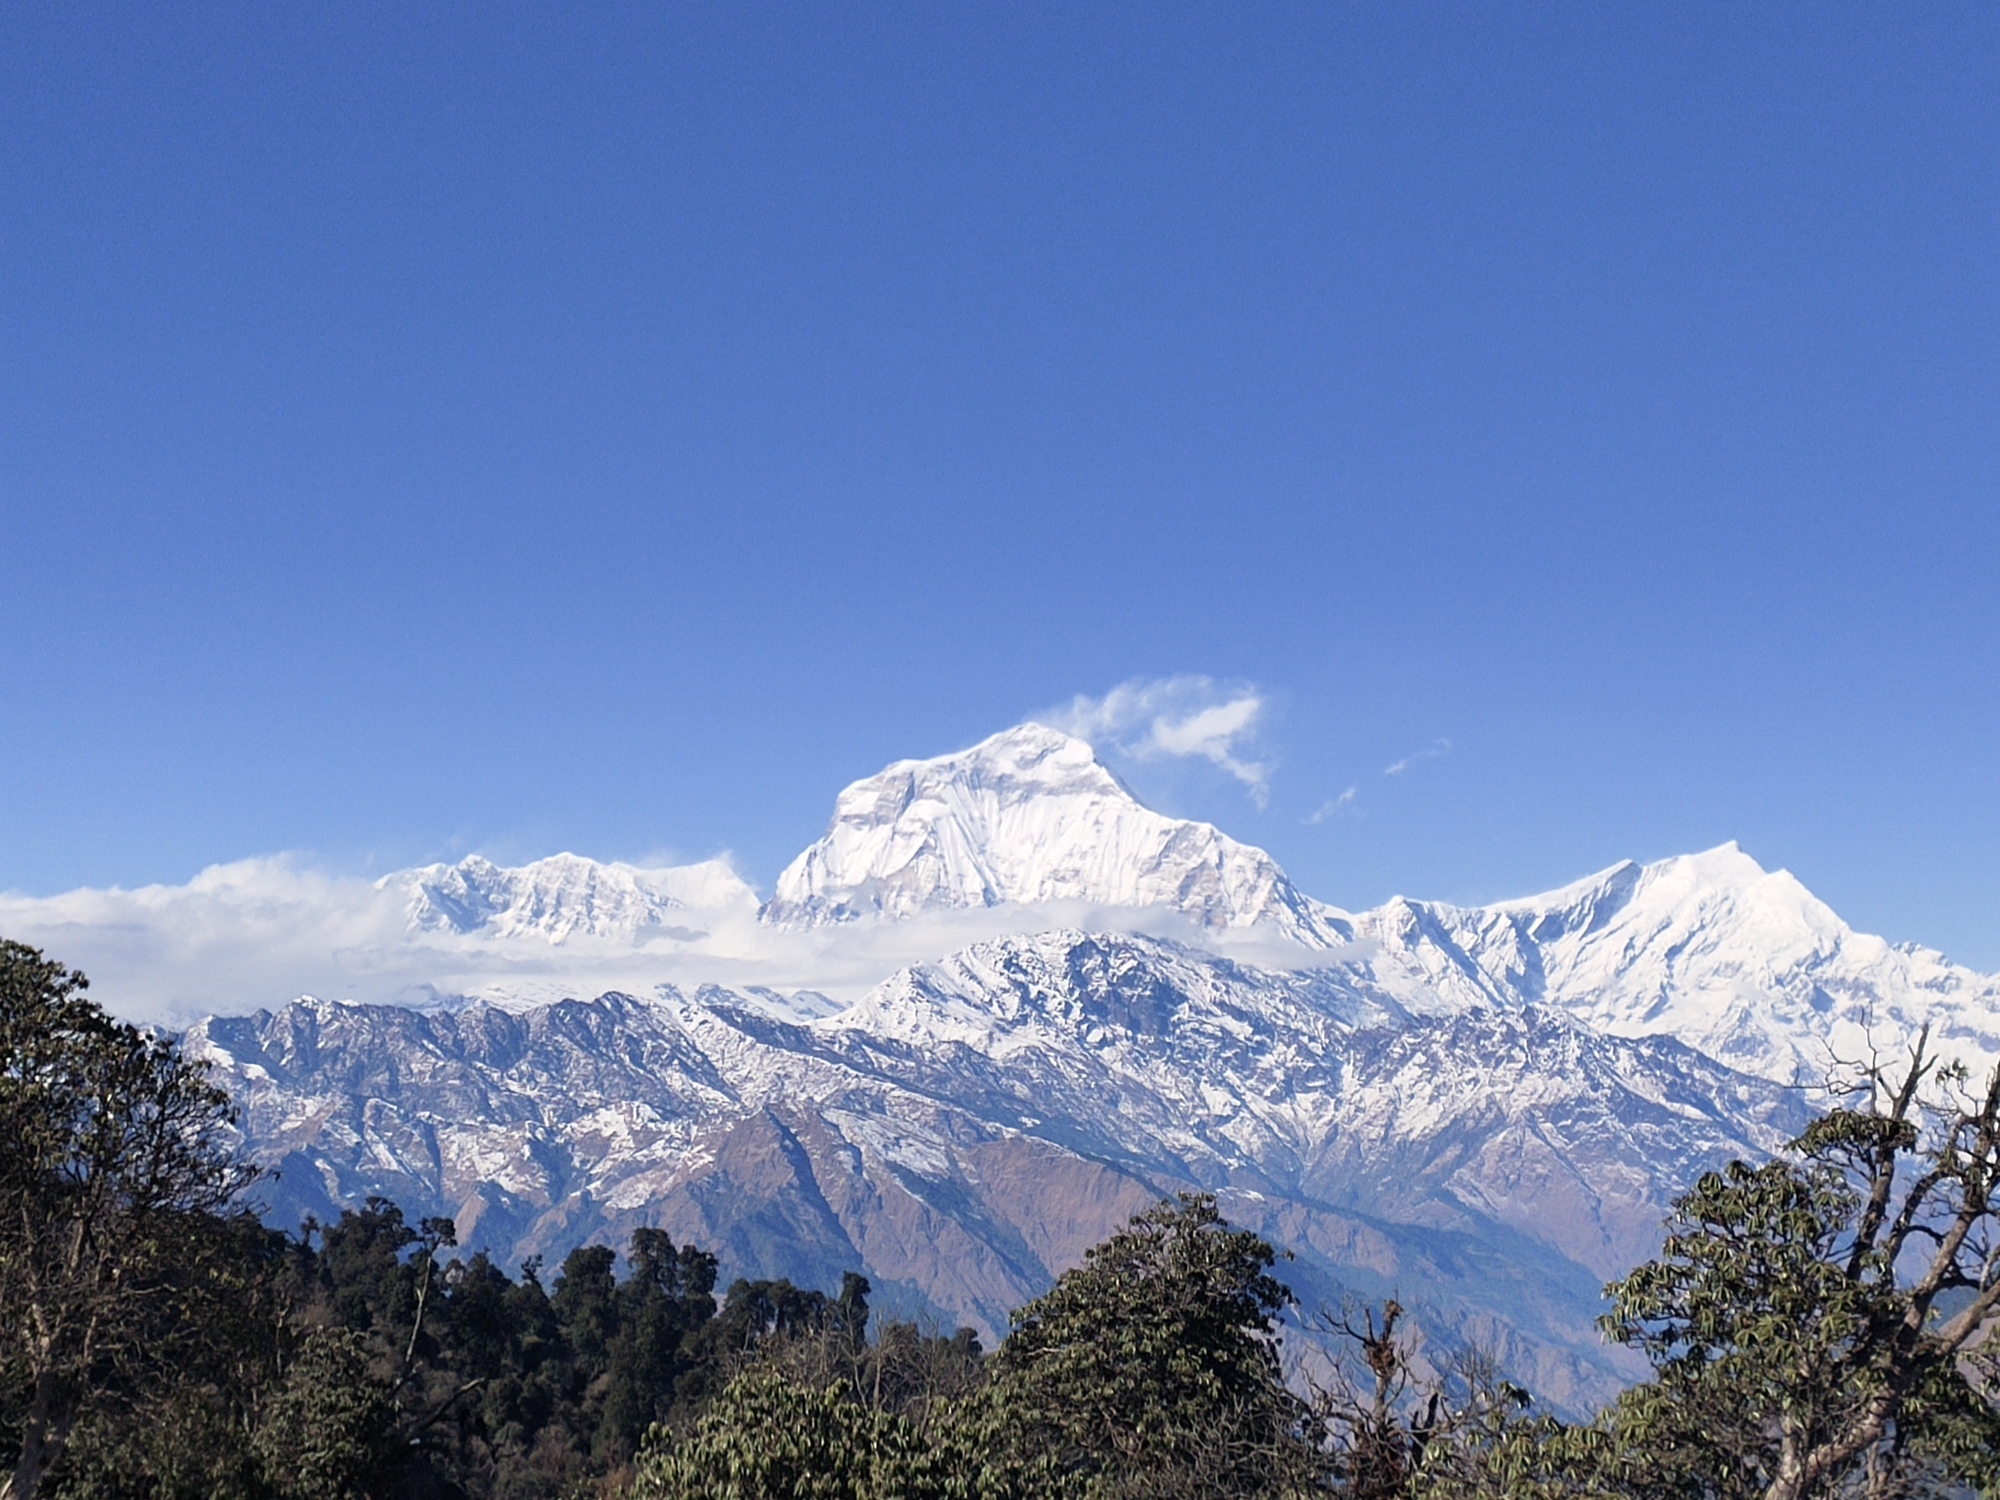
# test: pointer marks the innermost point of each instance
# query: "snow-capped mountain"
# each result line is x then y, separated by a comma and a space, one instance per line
970, 1126
1744, 964
1741, 963
1484, 1111
564, 896
1029, 817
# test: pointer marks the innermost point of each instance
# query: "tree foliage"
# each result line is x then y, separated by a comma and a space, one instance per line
115, 1174
1153, 1367
1815, 1321
1818, 1327
771, 1437
328, 1427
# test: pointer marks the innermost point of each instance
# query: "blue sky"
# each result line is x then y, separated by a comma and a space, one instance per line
515, 428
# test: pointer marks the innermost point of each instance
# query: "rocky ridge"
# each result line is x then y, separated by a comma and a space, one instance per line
1484, 1111
969, 1127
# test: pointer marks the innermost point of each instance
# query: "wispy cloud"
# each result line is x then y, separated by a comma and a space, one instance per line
1174, 716
1335, 807
1348, 802
1430, 752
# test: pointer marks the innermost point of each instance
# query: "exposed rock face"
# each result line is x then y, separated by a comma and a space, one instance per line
970, 1127
1484, 1111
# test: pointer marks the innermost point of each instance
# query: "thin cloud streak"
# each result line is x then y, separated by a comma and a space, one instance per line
1429, 752
1335, 808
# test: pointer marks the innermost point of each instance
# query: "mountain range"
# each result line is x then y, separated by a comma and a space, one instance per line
1482, 1110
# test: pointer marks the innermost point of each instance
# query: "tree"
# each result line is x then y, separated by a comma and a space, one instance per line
1459, 1432
403, 1374
183, 1432
668, 1296
330, 1424
1815, 1321
905, 1370
382, 1343
1817, 1326
115, 1166
1153, 1367
1374, 1428
770, 1438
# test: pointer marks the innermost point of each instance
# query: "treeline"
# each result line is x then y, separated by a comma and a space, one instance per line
157, 1339
365, 1362
1818, 1327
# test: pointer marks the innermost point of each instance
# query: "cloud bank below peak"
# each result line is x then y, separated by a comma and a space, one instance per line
256, 933
1026, 832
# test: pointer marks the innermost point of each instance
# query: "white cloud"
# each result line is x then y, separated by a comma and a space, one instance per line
1335, 807
1430, 752
261, 932
255, 932
1192, 717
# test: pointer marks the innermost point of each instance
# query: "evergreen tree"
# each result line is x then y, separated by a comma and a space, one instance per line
1153, 1367
651, 1366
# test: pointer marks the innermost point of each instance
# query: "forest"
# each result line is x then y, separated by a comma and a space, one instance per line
1816, 1327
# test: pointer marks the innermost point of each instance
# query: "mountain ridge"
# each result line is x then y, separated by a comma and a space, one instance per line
962, 1163
1740, 962
562, 896
1483, 1111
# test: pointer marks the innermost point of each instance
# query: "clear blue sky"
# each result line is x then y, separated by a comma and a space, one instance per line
515, 427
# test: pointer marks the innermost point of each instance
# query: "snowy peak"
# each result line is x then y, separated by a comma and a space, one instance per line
565, 896
1687, 891
1029, 816
1743, 963
1752, 968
